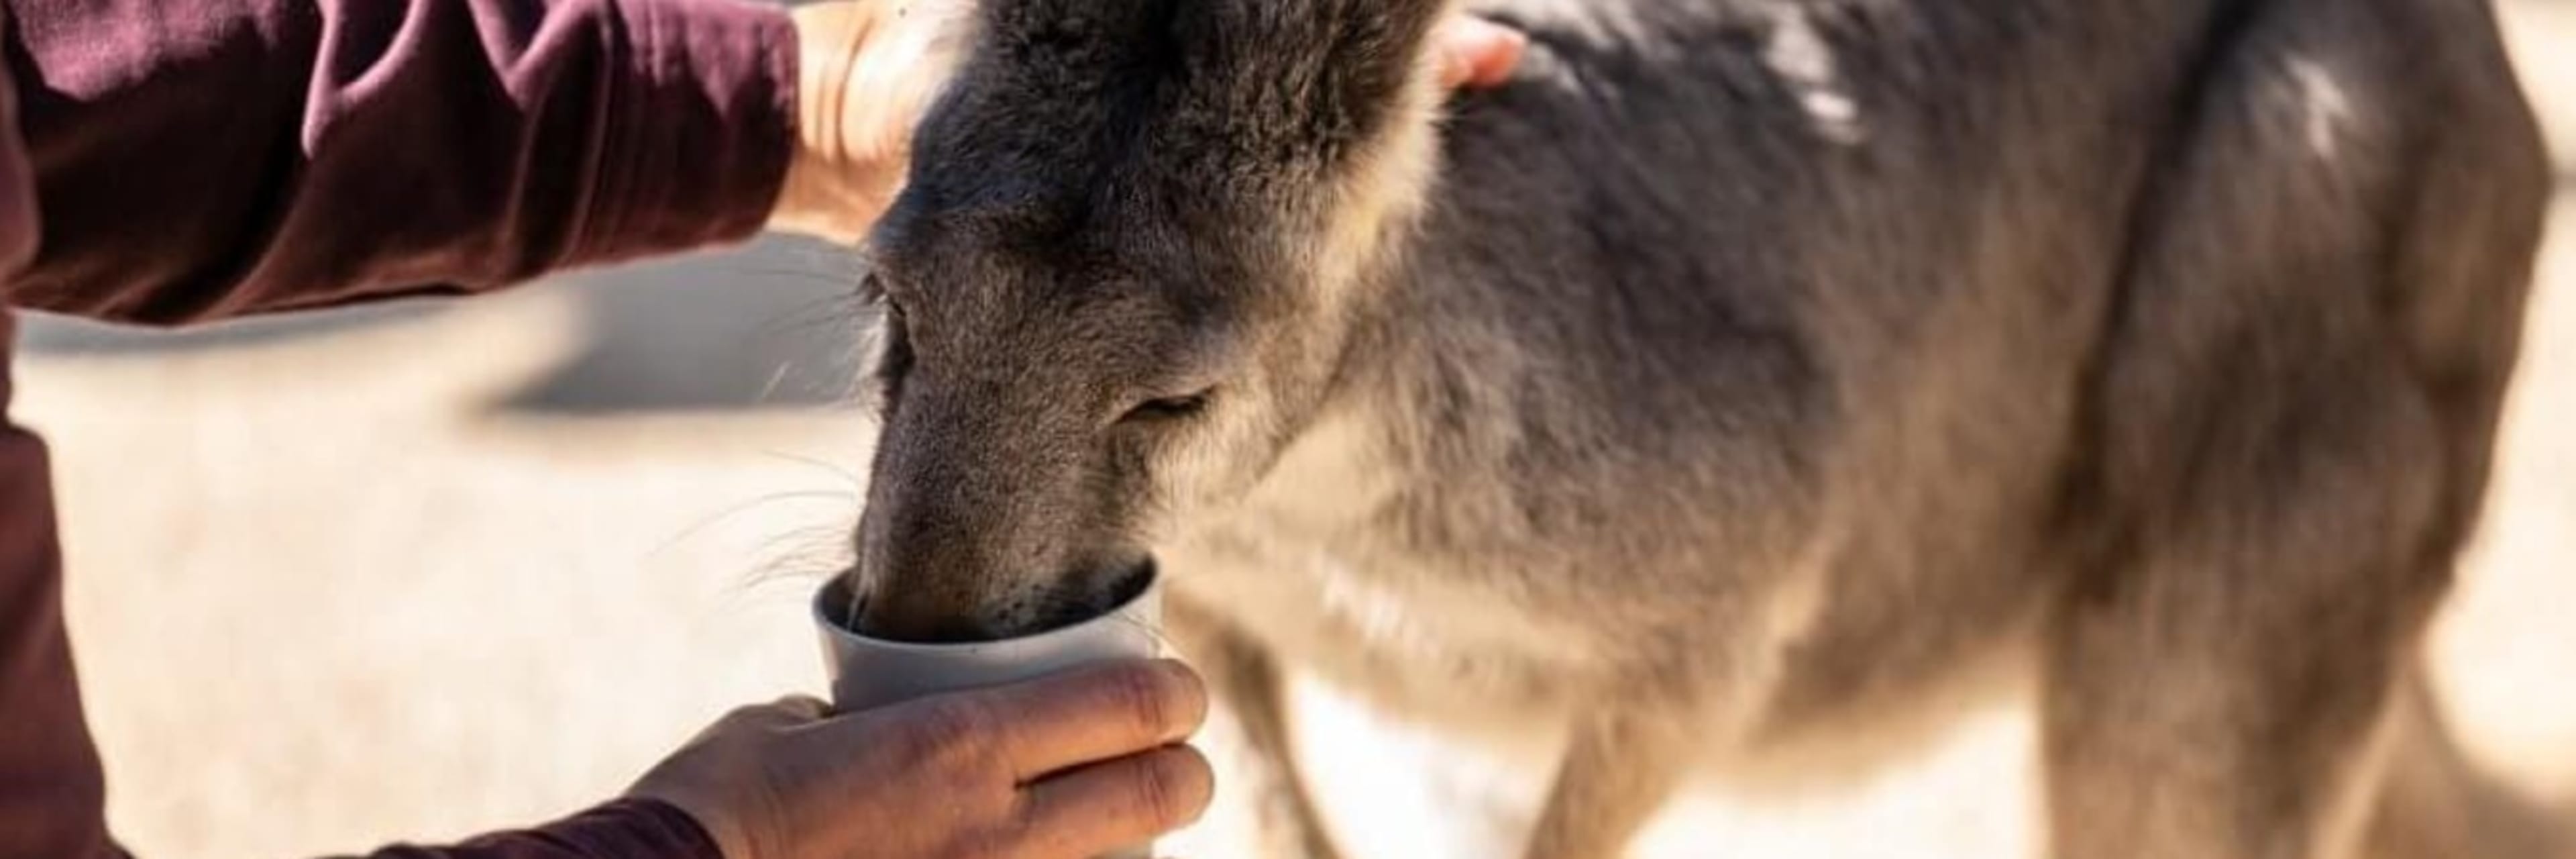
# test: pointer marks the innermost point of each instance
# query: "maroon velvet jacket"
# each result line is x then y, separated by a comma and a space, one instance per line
171, 161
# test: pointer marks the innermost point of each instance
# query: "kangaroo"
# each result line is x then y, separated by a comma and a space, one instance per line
1735, 387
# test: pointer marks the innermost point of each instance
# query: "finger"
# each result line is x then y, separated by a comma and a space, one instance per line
1095, 714
1478, 53
1018, 733
1121, 803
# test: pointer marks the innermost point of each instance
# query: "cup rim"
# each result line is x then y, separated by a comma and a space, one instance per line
823, 601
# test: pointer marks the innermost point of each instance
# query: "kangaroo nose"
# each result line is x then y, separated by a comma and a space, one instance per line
930, 615
1090, 593
917, 611
889, 618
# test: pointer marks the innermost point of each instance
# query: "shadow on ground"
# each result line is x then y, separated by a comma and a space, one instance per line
771, 325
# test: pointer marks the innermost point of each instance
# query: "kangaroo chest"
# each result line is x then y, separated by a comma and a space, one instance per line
1310, 569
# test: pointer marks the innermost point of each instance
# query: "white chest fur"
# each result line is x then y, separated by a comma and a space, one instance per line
1306, 567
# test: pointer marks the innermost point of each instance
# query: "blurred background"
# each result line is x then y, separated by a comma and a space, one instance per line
415, 572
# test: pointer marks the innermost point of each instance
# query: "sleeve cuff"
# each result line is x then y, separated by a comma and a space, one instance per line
636, 828
625, 829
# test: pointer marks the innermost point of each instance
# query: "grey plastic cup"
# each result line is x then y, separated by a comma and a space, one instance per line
868, 673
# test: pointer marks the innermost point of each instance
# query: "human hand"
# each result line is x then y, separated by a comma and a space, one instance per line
868, 69
1067, 767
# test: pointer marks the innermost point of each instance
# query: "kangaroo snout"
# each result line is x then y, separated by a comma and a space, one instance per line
994, 512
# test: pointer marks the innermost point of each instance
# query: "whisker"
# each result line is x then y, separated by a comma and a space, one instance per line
812, 554
856, 481
712, 519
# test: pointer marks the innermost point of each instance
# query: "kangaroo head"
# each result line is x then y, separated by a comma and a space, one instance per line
1119, 282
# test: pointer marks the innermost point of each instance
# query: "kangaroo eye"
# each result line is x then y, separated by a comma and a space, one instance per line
1168, 409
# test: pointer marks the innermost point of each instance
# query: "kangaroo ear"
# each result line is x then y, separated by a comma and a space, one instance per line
1305, 79
1476, 53
1234, 99
1075, 41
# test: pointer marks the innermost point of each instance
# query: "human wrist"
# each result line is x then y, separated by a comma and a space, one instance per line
725, 835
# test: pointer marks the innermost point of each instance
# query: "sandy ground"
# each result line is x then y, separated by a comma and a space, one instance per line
325, 597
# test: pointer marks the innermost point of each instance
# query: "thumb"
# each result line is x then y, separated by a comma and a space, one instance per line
785, 712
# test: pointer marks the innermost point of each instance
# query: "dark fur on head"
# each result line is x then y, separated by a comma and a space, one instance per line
1115, 256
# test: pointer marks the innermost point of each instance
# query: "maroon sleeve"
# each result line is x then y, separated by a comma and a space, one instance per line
49, 776
173, 160
627, 827
196, 159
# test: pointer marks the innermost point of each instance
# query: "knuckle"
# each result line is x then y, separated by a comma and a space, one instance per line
1156, 795
1172, 787
1031, 838
1011, 837
1145, 697
949, 734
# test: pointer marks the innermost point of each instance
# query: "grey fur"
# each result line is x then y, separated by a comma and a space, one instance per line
1747, 380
